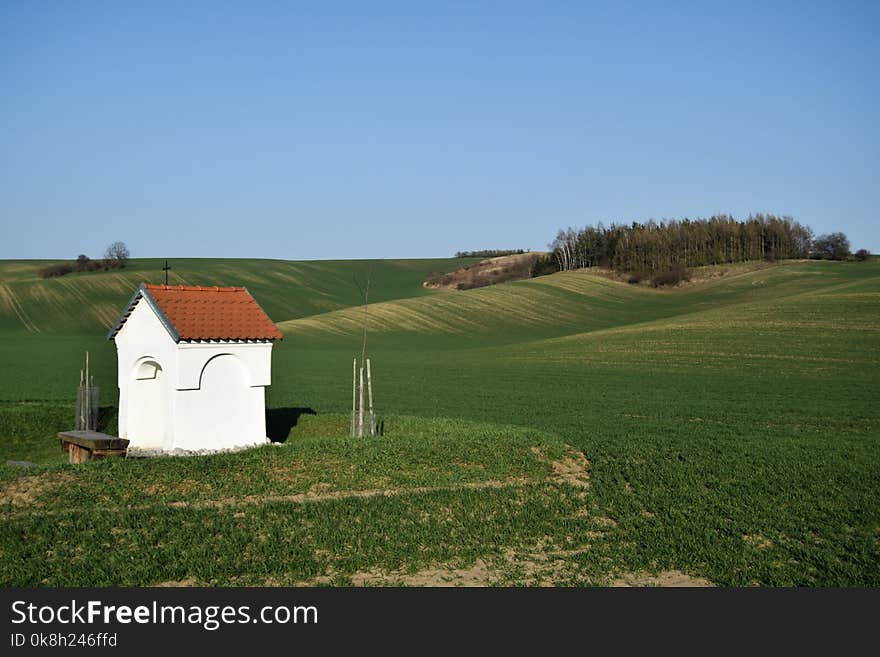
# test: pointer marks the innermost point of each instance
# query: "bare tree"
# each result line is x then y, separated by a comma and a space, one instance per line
117, 255
363, 285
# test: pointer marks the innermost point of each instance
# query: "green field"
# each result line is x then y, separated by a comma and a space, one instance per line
565, 430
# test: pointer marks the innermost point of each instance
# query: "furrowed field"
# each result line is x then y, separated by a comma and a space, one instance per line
566, 430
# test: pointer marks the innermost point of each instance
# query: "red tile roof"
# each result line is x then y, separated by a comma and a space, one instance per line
207, 313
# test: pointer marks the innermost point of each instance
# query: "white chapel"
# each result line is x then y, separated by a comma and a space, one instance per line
193, 366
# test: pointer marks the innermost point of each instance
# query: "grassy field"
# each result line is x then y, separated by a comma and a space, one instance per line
570, 429
73, 313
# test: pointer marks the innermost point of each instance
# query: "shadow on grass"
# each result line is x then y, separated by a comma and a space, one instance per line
279, 421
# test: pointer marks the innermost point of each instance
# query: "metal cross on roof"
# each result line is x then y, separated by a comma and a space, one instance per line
166, 269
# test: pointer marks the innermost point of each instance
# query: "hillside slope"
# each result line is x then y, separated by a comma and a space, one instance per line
578, 302
47, 325
87, 303
730, 431
491, 271
809, 332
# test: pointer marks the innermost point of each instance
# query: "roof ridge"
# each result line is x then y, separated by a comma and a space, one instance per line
193, 288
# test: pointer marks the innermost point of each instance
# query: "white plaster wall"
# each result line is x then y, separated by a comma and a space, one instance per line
144, 338
224, 412
147, 420
255, 357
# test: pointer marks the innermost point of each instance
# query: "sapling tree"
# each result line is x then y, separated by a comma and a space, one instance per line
358, 389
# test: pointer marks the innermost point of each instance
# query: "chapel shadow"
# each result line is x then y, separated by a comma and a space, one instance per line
107, 420
279, 421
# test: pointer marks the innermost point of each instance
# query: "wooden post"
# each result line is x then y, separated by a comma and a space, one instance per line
361, 404
353, 395
80, 421
78, 454
370, 395
87, 398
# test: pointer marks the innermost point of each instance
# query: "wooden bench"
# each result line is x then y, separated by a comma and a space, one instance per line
82, 446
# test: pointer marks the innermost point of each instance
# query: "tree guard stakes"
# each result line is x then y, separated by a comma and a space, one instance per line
87, 401
363, 416
84, 443
358, 428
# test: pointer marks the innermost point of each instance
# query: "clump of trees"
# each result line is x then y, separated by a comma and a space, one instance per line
653, 247
489, 253
663, 251
545, 264
115, 257
834, 246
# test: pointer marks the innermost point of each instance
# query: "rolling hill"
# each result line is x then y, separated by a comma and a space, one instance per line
48, 324
729, 428
81, 303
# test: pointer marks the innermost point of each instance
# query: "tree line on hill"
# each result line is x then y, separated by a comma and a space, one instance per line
658, 249
115, 257
489, 253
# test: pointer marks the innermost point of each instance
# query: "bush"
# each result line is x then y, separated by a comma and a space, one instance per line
436, 278
56, 270
862, 255
112, 263
472, 285
84, 263
673, 276
834, 246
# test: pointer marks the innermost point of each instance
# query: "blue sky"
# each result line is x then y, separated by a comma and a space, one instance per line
334, 130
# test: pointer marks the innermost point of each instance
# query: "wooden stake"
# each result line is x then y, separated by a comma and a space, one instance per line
370, 394
87, 397
80, 422
361, 405
353, 394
